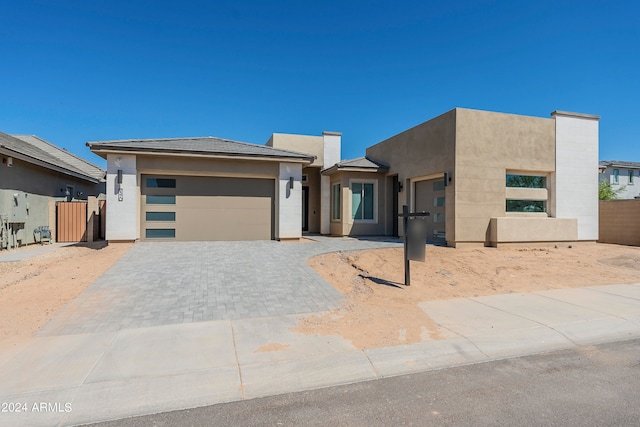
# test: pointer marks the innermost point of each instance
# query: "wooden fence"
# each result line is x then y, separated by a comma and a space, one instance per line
71, 222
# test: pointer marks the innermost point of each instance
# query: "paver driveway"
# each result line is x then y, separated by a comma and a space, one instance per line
160, 283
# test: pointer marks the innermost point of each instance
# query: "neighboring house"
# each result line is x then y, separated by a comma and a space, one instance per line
487, 179
624, 177
33, 173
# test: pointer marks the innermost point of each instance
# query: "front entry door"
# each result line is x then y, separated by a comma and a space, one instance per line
430, 196
305, 208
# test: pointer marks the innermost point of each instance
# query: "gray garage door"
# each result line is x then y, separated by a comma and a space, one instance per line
430, 197
189, 208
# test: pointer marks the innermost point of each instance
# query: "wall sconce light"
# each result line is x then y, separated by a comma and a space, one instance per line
399, 187
119, 176
291, 183
447, 179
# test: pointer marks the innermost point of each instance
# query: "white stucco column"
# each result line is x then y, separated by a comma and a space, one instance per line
576, 175
289, 202
331, 155
122, 199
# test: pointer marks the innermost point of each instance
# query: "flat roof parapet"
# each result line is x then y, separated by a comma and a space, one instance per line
570, 114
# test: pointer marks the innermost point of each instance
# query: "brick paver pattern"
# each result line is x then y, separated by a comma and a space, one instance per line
161, 283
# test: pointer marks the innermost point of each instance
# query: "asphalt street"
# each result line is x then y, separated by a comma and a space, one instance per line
585, 386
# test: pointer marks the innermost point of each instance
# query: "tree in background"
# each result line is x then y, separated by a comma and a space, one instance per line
607, 192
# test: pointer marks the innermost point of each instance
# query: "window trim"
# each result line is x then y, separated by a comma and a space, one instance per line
353, 220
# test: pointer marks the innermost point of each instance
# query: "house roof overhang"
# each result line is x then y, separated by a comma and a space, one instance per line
361, 164
207, 147
38, 162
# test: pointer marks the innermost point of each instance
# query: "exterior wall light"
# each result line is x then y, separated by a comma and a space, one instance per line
291, 183
119, 176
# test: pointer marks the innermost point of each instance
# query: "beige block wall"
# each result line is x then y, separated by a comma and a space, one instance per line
619, 222
346, 226
488, 145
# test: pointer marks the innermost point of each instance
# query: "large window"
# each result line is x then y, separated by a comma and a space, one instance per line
526, 193
616, 176
335, 201
363, 201
526, 181
526, 205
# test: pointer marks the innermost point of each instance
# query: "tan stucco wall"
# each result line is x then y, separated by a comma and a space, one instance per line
476, 148
424, 151
529, 229
619, 222
301, 143
347, 226
206, 167
313, 182
488, 145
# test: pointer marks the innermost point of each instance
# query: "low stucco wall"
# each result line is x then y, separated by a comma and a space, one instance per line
619, 222
532, 230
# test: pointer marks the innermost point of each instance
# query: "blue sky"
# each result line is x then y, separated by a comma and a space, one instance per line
77, 71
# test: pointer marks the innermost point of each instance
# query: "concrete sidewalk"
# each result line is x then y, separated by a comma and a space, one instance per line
83, 378
28, 252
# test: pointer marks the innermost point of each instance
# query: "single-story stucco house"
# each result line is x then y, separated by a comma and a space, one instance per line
487, 178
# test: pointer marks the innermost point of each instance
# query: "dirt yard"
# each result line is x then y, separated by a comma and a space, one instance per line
34, 290
380, 311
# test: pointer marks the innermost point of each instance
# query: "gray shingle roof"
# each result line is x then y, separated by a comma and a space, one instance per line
360, 163
44, 153
70, 159
201, 145
620, 164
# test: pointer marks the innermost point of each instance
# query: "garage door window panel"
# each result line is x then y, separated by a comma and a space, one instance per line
160, 216
160, 233
160, 183
154, 199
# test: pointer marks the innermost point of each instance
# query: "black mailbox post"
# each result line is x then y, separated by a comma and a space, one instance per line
415, 237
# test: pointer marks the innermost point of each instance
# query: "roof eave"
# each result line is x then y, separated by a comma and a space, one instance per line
103, 151
335, 168
12, 153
